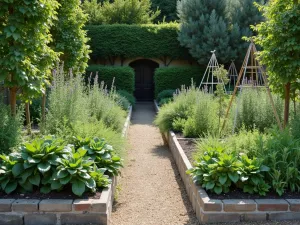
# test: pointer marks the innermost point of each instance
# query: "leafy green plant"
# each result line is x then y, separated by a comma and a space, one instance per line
48, 164
128, 96
7, 174
10, 128
165, 94
74, 168
255, 109
252, 179
219, 171
101, 153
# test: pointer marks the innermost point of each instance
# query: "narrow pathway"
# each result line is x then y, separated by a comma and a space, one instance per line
152, 192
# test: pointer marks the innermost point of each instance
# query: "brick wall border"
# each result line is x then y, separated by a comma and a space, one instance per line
232, 210
62, 211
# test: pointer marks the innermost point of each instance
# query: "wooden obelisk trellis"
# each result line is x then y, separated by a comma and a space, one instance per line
252, 74
209, 79
232, 75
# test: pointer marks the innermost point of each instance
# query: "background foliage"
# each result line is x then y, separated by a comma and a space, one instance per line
129, 41
123, 77
68, 35
175, 77
120, 12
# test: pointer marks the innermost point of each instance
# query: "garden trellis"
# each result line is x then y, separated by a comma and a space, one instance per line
209, 80
232, 75
252, 75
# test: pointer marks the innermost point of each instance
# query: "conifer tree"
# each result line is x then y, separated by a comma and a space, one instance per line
204, 28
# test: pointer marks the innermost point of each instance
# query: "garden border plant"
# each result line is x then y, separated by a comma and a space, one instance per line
63, 211
232, 210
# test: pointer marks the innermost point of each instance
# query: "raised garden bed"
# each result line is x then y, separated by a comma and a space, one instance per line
90, 209
222, 208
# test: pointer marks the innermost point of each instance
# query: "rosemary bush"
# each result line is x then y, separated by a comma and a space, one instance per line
255, 109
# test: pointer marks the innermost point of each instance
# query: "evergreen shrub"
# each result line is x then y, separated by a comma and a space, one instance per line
130, 41
175, 77
121, 77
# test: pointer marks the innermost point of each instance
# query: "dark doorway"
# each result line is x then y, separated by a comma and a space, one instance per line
144, 79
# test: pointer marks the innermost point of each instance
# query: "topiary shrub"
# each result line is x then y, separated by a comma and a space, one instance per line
123, 77
175, 77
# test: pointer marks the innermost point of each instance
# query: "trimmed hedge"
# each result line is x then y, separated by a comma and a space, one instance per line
130, 41
124, 76
173, 77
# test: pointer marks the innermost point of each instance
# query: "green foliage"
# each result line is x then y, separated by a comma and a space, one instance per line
278, 150
165, 94
295, 127
192, 112
219, 172
174, 77
70, 102
131, 41
217, 25
101, 153
68, 35
164, 101
204, 28
255, 109
120, 12
10, 128
221, 75
167, 9
26, 58
122, 101
128, 96
120, 77
279, 38
48, 164
281, 153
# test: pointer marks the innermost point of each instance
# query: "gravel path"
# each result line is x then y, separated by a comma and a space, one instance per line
152, 192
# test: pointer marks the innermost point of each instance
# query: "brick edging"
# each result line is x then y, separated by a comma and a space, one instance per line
62, 211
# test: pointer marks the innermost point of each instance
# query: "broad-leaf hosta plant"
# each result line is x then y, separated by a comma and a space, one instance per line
102, 154
219, 172
49, 164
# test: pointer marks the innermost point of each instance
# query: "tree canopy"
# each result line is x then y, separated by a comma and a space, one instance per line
69, 37
219, 25
279, 37
26, 56
120, 12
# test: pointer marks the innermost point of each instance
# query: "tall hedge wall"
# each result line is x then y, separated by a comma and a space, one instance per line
124, 76
174, 77
129, 41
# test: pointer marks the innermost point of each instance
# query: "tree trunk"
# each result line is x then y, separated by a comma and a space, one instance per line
27, 114
287, 104
13, 100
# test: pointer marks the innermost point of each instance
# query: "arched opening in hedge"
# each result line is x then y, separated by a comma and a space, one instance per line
144, 79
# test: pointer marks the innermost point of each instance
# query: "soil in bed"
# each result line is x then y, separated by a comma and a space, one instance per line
189, 147
64, 194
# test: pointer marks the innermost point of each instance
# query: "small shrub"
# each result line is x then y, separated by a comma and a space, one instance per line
255, 109
164, 101
128, 96
10, 128
165, 94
